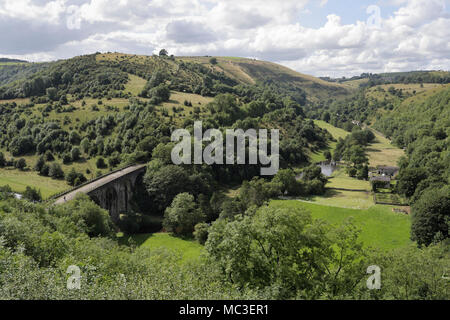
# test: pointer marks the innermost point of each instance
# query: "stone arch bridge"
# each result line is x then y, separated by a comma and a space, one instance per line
112, 192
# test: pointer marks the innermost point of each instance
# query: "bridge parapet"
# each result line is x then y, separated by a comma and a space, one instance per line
112, 192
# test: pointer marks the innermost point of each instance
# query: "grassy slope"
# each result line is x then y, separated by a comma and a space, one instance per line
380, 227
335, 132
382, 152
19, 180
189, 249
340, 179
250, 71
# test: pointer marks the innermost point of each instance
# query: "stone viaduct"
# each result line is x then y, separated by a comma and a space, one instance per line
112, 192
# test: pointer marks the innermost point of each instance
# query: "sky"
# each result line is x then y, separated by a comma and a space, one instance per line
319, 37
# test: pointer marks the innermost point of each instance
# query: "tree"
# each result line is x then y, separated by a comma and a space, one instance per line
21, 145
49, 156
85, 145
40, 162
182, 215
213, 60
21, 164
66, 158
32, 194
431, 216
201, 232
52, 93
288, 181
287, 251
100, 163
55, 171
75, 154
2, 160
408, 180
363, 173
71, 177
163, 53
164, 183
327, 155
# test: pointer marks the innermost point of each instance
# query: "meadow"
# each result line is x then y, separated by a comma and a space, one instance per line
19, 180
335, 132
188, 249
382, 152
380, 226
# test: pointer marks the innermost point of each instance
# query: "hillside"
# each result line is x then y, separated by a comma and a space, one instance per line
252, 71
186, 74
7, 60
115, 108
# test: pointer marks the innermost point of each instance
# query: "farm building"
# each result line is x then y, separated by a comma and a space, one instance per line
381, 179
387, 171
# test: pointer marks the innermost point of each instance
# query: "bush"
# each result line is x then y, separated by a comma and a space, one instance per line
201, 232
20, 164
431, 216
55, 171
182, 215
101, 164
32, 194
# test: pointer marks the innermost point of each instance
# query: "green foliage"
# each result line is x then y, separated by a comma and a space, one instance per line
201, 232
431, 216
100, 163
182, 215
55, 171
286, 252
32, 194
20, 164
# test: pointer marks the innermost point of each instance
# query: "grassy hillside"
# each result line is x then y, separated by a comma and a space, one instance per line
380, 226
189, 250
251, 71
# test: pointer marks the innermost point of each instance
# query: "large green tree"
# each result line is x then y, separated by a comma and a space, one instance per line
431, 216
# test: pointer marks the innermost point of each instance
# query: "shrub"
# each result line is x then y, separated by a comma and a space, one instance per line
55, 171
101, 164
182, 215
201, 232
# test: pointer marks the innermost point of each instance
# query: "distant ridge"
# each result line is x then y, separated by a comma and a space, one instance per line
12, 60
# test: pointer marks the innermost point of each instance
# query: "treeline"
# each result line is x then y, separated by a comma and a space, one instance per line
423, 128
80, 76
397, 77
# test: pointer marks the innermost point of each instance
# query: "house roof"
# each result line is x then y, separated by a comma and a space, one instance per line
381, 178
387, 168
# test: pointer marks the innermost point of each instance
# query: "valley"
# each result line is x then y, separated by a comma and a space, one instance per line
217, 231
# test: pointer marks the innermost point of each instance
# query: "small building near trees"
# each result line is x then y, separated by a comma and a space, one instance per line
387, 171
381, 182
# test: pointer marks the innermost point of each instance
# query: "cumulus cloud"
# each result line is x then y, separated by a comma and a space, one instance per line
415, 36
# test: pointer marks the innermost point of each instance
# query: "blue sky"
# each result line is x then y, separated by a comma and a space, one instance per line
315, 14
318, 37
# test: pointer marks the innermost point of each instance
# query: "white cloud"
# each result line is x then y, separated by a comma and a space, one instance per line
415, 36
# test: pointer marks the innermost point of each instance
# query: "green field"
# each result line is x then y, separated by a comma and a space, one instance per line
341, 180
335, 132
382, 152
19, 180
380, 227
189, 249
343, 199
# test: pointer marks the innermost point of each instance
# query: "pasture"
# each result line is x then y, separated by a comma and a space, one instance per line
19, 180
188, 249
382, 152
380, 226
